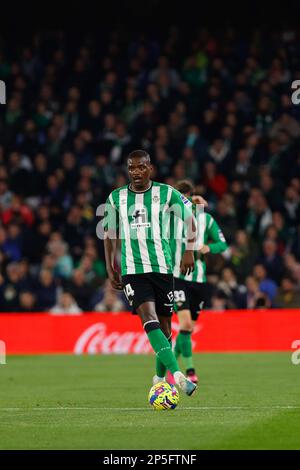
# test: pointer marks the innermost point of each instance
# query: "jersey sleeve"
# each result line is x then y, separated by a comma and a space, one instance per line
111, 217
215, 234
180, 205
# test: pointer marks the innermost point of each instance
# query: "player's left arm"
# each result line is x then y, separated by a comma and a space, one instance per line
218, 243
182, 208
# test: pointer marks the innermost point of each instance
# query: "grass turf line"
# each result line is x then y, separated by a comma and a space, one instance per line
244, 401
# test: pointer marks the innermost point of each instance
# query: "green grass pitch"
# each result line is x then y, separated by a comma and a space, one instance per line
244, 401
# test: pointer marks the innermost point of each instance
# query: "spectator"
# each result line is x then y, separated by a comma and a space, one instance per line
255, 298
46, 291
66, 305
80, 290
110, 302
234, 292
27, 302
259, 215
271, 260
292, 267
63, 263
10, 287
241, 254
288, 295
219, 302
266, 285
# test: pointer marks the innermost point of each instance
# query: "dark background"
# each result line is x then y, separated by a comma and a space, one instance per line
19, 17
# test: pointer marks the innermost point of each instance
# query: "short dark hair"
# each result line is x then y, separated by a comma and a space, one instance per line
185, 187
139, 154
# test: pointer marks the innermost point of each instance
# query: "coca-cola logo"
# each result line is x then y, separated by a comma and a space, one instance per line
96, 340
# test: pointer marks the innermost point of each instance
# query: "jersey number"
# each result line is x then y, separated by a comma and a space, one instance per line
179, 296
129, 292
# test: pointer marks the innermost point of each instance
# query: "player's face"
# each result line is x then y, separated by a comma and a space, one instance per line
139, 171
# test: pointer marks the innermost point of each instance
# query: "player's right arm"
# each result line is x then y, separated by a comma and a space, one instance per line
111, 226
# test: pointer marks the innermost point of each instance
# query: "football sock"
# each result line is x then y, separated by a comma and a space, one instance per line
160, 367
177, 349
185, 342
161, 346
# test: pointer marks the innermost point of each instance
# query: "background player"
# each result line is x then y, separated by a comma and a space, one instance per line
190, 292
141, 212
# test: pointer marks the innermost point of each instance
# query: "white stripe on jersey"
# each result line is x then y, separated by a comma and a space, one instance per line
178, 237
155, 209
112, 201
201, 227
169, 194
142, 235
123, 196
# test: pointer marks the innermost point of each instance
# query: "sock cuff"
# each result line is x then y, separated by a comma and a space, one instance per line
151, 325
185, 332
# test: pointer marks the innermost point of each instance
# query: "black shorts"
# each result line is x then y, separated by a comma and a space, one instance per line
190, 296
156, 287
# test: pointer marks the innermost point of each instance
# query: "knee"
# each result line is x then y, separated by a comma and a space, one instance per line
147, 313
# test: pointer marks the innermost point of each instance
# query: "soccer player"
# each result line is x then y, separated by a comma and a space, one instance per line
190, 291
141, 212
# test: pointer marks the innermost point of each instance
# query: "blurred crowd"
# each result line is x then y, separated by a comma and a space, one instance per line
215, 108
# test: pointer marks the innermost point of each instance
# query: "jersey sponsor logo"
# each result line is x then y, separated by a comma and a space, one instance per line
140, 219
185, 200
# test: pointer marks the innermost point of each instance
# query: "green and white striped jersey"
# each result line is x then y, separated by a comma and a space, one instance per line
142, 221
207, 229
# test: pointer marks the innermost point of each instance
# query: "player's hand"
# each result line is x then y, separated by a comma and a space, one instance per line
205, 249
199, 200
187, 263
115, 280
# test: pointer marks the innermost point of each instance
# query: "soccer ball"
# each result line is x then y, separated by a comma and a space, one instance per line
163, 396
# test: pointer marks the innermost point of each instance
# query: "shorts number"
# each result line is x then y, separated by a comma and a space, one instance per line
129, 292
179, 296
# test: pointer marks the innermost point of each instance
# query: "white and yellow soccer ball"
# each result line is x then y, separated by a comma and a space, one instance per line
163, 396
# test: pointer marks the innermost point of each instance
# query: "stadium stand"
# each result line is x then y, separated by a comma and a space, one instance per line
217, 110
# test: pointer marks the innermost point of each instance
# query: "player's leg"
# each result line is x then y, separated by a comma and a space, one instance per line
182, 308
198, 297
184, 339
163, 287
157, 338
141, 295
161, 369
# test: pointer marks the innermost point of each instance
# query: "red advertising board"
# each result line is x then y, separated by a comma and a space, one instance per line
94, 333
